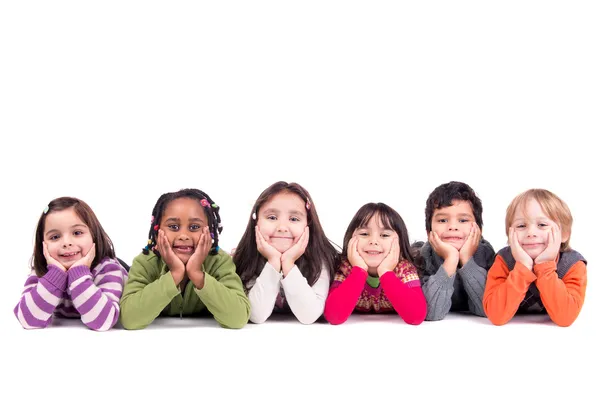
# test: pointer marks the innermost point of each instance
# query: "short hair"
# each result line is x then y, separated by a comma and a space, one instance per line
556, 209
445, 194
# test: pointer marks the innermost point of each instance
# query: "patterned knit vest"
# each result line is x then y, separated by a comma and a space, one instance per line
532, 301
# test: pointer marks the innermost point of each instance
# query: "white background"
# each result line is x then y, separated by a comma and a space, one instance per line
118, 102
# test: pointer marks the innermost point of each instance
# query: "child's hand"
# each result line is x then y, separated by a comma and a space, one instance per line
194, 264
390, 261
470, 246
517, 251
289, 257
269, 252
354, 256
49, 259
444, 250
554, 240
89, 257
175, 265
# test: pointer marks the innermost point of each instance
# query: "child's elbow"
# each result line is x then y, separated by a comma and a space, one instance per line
499, 320
564, 321
130, 324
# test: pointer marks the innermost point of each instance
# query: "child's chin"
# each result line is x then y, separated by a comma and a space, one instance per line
533, 254
282, 249
456, 245
184, 258
71, 263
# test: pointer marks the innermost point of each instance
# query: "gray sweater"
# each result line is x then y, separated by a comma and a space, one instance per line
462, 291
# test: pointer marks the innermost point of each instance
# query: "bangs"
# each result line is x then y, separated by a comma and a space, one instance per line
380, 214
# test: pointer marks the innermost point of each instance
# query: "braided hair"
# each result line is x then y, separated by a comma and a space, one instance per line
210, 209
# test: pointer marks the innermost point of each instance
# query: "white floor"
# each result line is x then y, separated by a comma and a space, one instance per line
459, 357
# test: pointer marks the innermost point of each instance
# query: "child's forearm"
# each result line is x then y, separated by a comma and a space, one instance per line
407, 298
263, 294
343, 296
474, 278
562, 298
40, 298
438, 290
306, 302
505, 290
225, 300
97, 298
143, 301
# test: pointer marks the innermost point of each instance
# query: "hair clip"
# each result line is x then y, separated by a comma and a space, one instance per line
149, 242
155, 227
214, 205
220, 226
152, 219
254, 216
204, 203
212, 235
46, 210
307, 204
217, 248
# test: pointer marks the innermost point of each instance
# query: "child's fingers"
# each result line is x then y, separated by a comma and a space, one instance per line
259, 239
92, 253
306, 237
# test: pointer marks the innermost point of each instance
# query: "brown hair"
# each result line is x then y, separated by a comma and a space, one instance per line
319, 251
104, 246
556, 209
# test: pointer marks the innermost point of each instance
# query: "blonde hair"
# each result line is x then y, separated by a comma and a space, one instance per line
556, 209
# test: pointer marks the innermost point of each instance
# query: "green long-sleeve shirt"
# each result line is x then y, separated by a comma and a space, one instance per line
150, 291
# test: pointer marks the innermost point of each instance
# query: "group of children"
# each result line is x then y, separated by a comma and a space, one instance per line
284, 262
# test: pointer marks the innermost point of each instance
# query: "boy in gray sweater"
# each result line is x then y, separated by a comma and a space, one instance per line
454, 262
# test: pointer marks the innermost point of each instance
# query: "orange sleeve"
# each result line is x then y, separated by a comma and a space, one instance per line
563, 298
505, 290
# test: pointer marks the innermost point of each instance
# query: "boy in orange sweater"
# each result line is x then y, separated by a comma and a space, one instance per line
538, 271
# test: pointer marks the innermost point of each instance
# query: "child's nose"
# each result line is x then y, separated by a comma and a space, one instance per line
531, 231
373, 240
183, 235
282, 227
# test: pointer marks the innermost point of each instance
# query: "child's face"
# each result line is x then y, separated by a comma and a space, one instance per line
282, 220
453, 224
374, 241
182, 222
532, 226
68, 238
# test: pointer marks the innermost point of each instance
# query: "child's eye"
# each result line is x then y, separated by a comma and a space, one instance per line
442, 220
542, 225
520, 226
272, 217
385, 235
173, 227
78, 233
54, 237
463, 220
362, 234
194, 227
295, 219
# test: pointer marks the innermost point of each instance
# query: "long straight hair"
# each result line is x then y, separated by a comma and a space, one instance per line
319, 251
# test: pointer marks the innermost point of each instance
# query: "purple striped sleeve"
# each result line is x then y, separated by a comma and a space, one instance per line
96, 294
40, 298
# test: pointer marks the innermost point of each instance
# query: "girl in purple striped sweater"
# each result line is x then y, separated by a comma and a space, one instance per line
75, 272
